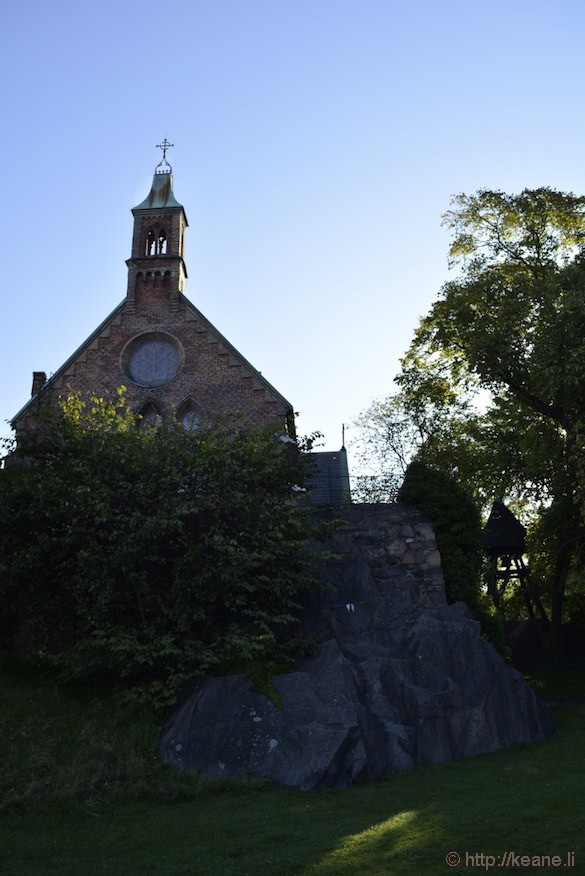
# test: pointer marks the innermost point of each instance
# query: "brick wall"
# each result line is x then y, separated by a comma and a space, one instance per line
213, 375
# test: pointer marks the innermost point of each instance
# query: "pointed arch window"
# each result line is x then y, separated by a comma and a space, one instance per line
156, 241
189, 416
149, 417
191, 421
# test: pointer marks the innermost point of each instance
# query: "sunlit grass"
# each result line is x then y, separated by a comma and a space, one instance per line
397, 837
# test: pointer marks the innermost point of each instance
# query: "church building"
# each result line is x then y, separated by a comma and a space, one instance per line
174, 363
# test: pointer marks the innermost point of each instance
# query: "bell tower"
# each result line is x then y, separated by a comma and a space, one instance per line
156, 269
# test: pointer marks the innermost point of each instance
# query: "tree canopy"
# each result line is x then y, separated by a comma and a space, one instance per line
493, 384
150, 556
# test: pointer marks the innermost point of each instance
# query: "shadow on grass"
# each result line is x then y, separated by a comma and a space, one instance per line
527, 799
266, 833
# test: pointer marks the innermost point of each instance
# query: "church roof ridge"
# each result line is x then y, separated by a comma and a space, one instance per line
53, 378
209, 326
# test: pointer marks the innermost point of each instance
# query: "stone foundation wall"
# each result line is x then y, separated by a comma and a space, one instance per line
392, 545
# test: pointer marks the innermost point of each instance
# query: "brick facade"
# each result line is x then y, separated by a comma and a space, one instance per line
212, 378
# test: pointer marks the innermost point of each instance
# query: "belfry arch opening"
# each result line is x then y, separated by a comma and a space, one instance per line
156, 242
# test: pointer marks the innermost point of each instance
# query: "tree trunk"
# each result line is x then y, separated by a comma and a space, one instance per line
562, 566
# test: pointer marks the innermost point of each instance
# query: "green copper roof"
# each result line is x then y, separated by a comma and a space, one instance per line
161, 194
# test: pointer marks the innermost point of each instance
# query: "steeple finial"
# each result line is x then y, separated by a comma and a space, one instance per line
163, 164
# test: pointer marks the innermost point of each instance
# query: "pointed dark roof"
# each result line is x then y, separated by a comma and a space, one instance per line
503, 533
161, 194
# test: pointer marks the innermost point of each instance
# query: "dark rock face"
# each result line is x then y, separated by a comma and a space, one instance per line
399, 678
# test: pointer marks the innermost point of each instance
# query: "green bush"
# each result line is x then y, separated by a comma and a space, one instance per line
457, 524
148, 556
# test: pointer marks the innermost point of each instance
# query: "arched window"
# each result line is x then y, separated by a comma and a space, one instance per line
156, 242
189, 416
191, 421
149, 417
150, 247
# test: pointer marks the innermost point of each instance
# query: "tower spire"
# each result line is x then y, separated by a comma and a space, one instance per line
156, 269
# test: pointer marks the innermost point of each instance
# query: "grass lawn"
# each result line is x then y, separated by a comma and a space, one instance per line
84, 796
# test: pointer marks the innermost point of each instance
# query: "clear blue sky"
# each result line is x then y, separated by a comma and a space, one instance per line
317, 143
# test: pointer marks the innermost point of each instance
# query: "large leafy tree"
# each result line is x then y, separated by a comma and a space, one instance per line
509, 331
149, 556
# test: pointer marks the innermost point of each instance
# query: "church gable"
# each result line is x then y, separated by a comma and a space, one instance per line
175, 359
174, 363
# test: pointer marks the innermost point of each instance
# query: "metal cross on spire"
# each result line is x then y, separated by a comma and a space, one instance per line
165, 146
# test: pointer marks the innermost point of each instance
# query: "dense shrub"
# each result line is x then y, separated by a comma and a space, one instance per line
148, 556
457, 524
